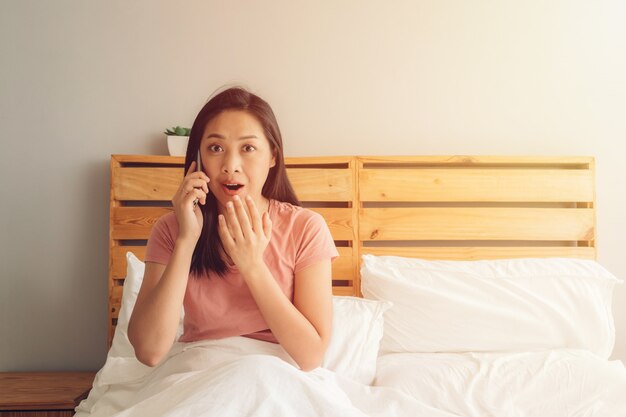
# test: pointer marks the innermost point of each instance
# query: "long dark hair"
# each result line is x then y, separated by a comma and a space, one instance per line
206, 255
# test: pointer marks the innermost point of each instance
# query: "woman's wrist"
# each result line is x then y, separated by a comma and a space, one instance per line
254, 269
185, 244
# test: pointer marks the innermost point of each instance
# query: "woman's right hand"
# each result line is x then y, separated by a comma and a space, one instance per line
190, 219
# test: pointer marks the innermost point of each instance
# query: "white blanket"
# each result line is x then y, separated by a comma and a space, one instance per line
237, 376
551, 383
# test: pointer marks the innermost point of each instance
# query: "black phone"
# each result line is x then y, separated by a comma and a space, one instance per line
198, 162
198, 168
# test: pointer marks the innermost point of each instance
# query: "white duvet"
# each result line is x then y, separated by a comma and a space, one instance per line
551, 383
237, 376
240, 376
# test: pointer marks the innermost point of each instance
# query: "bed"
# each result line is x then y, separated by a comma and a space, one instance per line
465, 286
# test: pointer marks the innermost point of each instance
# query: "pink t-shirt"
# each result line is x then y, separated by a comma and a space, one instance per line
217, 307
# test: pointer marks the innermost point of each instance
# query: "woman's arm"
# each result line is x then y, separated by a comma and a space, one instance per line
304, 327
152, 326
154, 321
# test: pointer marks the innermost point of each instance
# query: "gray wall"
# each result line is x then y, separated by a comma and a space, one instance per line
81, 80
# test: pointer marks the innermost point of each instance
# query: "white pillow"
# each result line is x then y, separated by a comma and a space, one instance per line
121, 347
352, 351
492, 305
357, 329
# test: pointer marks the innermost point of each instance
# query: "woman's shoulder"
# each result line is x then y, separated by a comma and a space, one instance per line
167, 223
284, 208
162, 238
293, 215
168, 218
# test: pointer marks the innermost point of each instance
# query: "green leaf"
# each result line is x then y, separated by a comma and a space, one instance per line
178, 131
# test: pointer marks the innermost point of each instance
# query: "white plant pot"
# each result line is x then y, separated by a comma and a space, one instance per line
177, 145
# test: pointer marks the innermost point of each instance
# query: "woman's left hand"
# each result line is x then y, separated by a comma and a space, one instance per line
244, 237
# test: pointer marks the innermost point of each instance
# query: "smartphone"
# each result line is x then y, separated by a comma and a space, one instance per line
198, 168
198, 162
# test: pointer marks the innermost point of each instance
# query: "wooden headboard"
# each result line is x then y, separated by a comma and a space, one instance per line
431, 207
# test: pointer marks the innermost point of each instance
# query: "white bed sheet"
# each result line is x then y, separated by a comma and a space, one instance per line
237, 376
551, 383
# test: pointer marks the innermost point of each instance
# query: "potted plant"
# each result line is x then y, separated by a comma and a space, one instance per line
177, 139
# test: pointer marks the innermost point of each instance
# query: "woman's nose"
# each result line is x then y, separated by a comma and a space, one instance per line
231, 163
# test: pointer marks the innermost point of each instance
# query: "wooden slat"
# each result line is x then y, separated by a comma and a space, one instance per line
289, 160
317, 160
135, 222
160, 184
339, 221
343, 266
476, 253
480, 160
150, 183
445, 223
343, 291
356, 166
481, 185
148, 159
321, 184
115, 300
113, 205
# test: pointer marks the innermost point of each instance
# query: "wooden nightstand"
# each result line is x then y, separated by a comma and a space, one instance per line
43, 394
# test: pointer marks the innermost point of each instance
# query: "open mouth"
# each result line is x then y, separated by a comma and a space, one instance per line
233, 187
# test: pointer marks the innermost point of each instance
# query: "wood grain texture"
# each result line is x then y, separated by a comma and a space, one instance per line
148, 159
472, 223
479, 160
43, 390
461, 207
149, 184
39, 413
321, 184
473, 253
160, 184
134, 222
476, 184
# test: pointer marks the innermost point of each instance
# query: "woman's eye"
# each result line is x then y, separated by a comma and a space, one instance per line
249, 148
212, 147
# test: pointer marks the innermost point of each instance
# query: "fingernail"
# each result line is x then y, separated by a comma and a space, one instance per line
230, 204
236, 198
249, 198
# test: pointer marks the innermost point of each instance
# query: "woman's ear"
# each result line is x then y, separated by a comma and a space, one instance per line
273, 162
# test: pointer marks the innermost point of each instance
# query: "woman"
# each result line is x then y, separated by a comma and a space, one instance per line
247, 259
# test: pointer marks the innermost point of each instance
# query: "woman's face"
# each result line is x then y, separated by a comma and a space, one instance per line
236, 156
